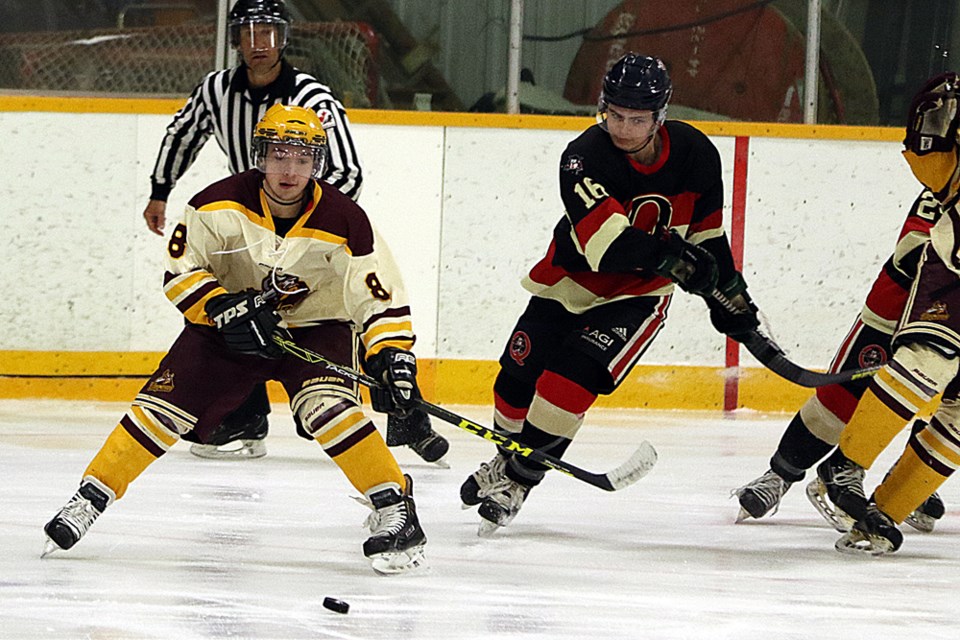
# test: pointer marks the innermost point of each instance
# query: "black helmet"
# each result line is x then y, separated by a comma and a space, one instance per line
258, 11
637, 82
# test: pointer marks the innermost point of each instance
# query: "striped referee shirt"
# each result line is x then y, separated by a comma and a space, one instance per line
225, 105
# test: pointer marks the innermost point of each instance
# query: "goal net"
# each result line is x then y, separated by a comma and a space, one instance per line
172, 60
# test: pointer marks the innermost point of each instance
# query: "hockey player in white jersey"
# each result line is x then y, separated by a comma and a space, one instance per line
270, 250
926, 352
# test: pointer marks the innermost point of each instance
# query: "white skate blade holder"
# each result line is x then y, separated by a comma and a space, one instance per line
856, 543
397, 562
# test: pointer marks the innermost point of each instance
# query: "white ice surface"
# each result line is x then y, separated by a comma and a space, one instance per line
249, 549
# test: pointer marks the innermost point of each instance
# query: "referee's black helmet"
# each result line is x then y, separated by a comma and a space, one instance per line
258, 11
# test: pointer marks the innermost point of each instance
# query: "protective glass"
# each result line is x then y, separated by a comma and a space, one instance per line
259, 35
290, 159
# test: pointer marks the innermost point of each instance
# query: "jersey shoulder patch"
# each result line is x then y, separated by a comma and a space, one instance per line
327, 121
572, 163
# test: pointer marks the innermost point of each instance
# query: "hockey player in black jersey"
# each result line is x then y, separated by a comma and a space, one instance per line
643, 199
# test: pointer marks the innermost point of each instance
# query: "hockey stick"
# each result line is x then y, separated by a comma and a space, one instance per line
772, 357
637, 466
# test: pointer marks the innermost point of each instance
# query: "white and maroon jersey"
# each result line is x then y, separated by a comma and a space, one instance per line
888, 295
605, 192
228, 243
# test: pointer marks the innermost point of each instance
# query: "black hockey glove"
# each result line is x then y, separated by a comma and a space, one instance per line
736, 324
247, 322
693, 268
397, 370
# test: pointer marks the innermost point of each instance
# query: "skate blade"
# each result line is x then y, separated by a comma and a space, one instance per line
743, 515
921, 521
393, 563
244, 450
857, 543
441, 463
49, 546
487, 528
838, 519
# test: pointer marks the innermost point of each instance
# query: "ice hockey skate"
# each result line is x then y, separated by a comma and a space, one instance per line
837, 493
396, 540
76, 517
875, 535
481, 482
762, 496
501, 506
236, 440
924, 518
416, 432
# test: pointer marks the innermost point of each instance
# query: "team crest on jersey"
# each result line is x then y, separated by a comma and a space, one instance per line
163, 383
650, 212
573, 164
519, 347
936, 312
290, 289
326, 119
872, 355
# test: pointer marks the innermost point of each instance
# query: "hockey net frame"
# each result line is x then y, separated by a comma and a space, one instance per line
171, 60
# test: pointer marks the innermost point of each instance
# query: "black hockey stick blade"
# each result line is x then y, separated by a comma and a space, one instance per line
636, 467
772, 357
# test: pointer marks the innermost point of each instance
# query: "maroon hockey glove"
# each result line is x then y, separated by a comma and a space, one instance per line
396, 369
736, 324
247, 322
693, 268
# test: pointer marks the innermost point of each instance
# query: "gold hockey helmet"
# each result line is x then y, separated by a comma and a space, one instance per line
291, 125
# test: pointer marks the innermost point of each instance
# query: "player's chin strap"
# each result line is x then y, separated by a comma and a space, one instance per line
772, 357
623, 476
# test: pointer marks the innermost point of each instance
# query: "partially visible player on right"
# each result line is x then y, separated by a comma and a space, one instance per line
815, 429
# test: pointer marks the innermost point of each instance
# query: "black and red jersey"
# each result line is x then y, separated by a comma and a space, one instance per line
610, 199
888, 295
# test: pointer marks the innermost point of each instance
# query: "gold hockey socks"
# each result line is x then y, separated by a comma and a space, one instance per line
894, 396
120, 460
360, 452
929, 459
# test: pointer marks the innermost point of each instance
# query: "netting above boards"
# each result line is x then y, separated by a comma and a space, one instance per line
172, 60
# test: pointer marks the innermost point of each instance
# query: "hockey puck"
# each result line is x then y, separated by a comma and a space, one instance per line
336, 605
